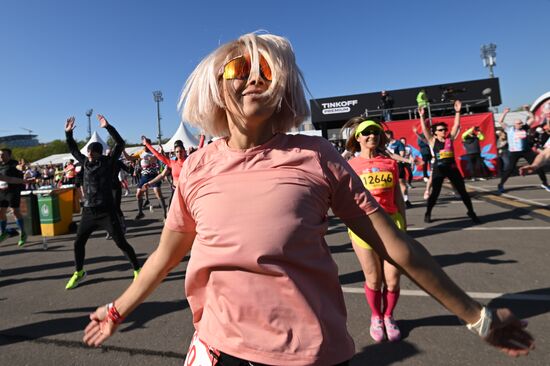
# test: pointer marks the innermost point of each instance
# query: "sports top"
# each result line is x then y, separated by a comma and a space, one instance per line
379, 175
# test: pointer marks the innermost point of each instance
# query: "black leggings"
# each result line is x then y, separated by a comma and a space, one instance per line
476, 167
93, 219
514, 156
441, 172
427, 159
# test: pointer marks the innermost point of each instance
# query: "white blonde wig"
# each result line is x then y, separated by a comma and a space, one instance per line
202, 101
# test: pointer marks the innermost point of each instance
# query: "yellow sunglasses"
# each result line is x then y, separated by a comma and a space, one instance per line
239, 68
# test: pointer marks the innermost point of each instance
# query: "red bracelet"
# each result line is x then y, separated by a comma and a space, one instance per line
113, 314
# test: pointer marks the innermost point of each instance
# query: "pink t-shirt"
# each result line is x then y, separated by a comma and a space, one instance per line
261, 282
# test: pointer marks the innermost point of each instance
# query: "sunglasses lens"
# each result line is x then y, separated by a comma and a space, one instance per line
265, 70
370, 132
238, 68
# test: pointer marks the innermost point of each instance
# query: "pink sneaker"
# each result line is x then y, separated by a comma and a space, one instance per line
392, 330
377, 329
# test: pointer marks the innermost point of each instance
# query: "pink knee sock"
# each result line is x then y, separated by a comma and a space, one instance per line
390, 301
374, 298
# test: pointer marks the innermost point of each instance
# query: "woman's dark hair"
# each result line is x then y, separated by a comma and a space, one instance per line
436, 125
352, 145
178, 143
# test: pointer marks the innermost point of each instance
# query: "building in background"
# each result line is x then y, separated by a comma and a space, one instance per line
11, 141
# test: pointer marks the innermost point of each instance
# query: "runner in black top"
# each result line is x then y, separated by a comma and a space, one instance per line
445, 164
99, 210
10, 195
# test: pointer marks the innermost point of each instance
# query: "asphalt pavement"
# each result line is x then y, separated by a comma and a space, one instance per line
501, 262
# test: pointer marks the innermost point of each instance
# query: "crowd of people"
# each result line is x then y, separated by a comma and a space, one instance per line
260, 282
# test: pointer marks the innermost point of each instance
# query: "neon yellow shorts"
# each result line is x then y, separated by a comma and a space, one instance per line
396, 217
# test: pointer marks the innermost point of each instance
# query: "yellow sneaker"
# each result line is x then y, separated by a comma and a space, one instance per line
77, 277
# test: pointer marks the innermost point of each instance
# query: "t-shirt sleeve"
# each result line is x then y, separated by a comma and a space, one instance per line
349, 197
179, 218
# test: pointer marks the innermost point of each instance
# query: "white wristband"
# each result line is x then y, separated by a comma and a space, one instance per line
483, 325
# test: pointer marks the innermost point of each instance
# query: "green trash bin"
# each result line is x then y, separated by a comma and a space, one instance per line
29, 211
55, 207
48, 207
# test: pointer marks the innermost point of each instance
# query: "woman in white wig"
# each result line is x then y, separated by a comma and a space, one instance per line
252, 209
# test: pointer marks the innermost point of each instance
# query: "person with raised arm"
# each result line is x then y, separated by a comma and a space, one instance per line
518, 146
99, 211
172, 166
441, 142
149, 170
252, 209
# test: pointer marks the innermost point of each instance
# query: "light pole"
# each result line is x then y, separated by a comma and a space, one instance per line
89, 114
489, 56
157, 97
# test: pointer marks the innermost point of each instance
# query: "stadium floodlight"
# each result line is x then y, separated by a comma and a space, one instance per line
487, 93
157, 97
89, 115
489, 57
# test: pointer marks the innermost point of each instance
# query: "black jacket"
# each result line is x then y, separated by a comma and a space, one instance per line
98, 175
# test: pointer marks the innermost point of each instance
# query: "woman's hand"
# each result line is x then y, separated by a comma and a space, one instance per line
102, 121
100, 327
509, 335
458, 106
69, 125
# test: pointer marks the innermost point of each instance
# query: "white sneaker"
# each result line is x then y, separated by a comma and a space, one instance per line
545, 186
425, 179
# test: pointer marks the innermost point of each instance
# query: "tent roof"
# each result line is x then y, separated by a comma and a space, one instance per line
95, 138
184, 135
54, 159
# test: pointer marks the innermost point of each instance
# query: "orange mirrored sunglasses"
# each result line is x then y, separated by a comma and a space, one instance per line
239, 68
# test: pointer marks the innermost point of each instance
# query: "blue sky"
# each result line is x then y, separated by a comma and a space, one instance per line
60, 58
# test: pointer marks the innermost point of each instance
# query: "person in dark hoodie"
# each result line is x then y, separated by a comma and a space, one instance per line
99, 210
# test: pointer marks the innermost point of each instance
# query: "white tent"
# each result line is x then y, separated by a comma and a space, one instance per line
54, 159
184, 135
95, 138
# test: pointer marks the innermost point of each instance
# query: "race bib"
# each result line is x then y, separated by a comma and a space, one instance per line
378, 180
201, 354
446, 155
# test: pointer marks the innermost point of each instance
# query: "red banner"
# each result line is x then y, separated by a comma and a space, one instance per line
488, 146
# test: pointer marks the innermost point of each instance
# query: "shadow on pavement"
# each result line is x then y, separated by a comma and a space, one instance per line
384, 354
523, 308
451, 224
344, 248
47, 328
352, 277
483, 256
